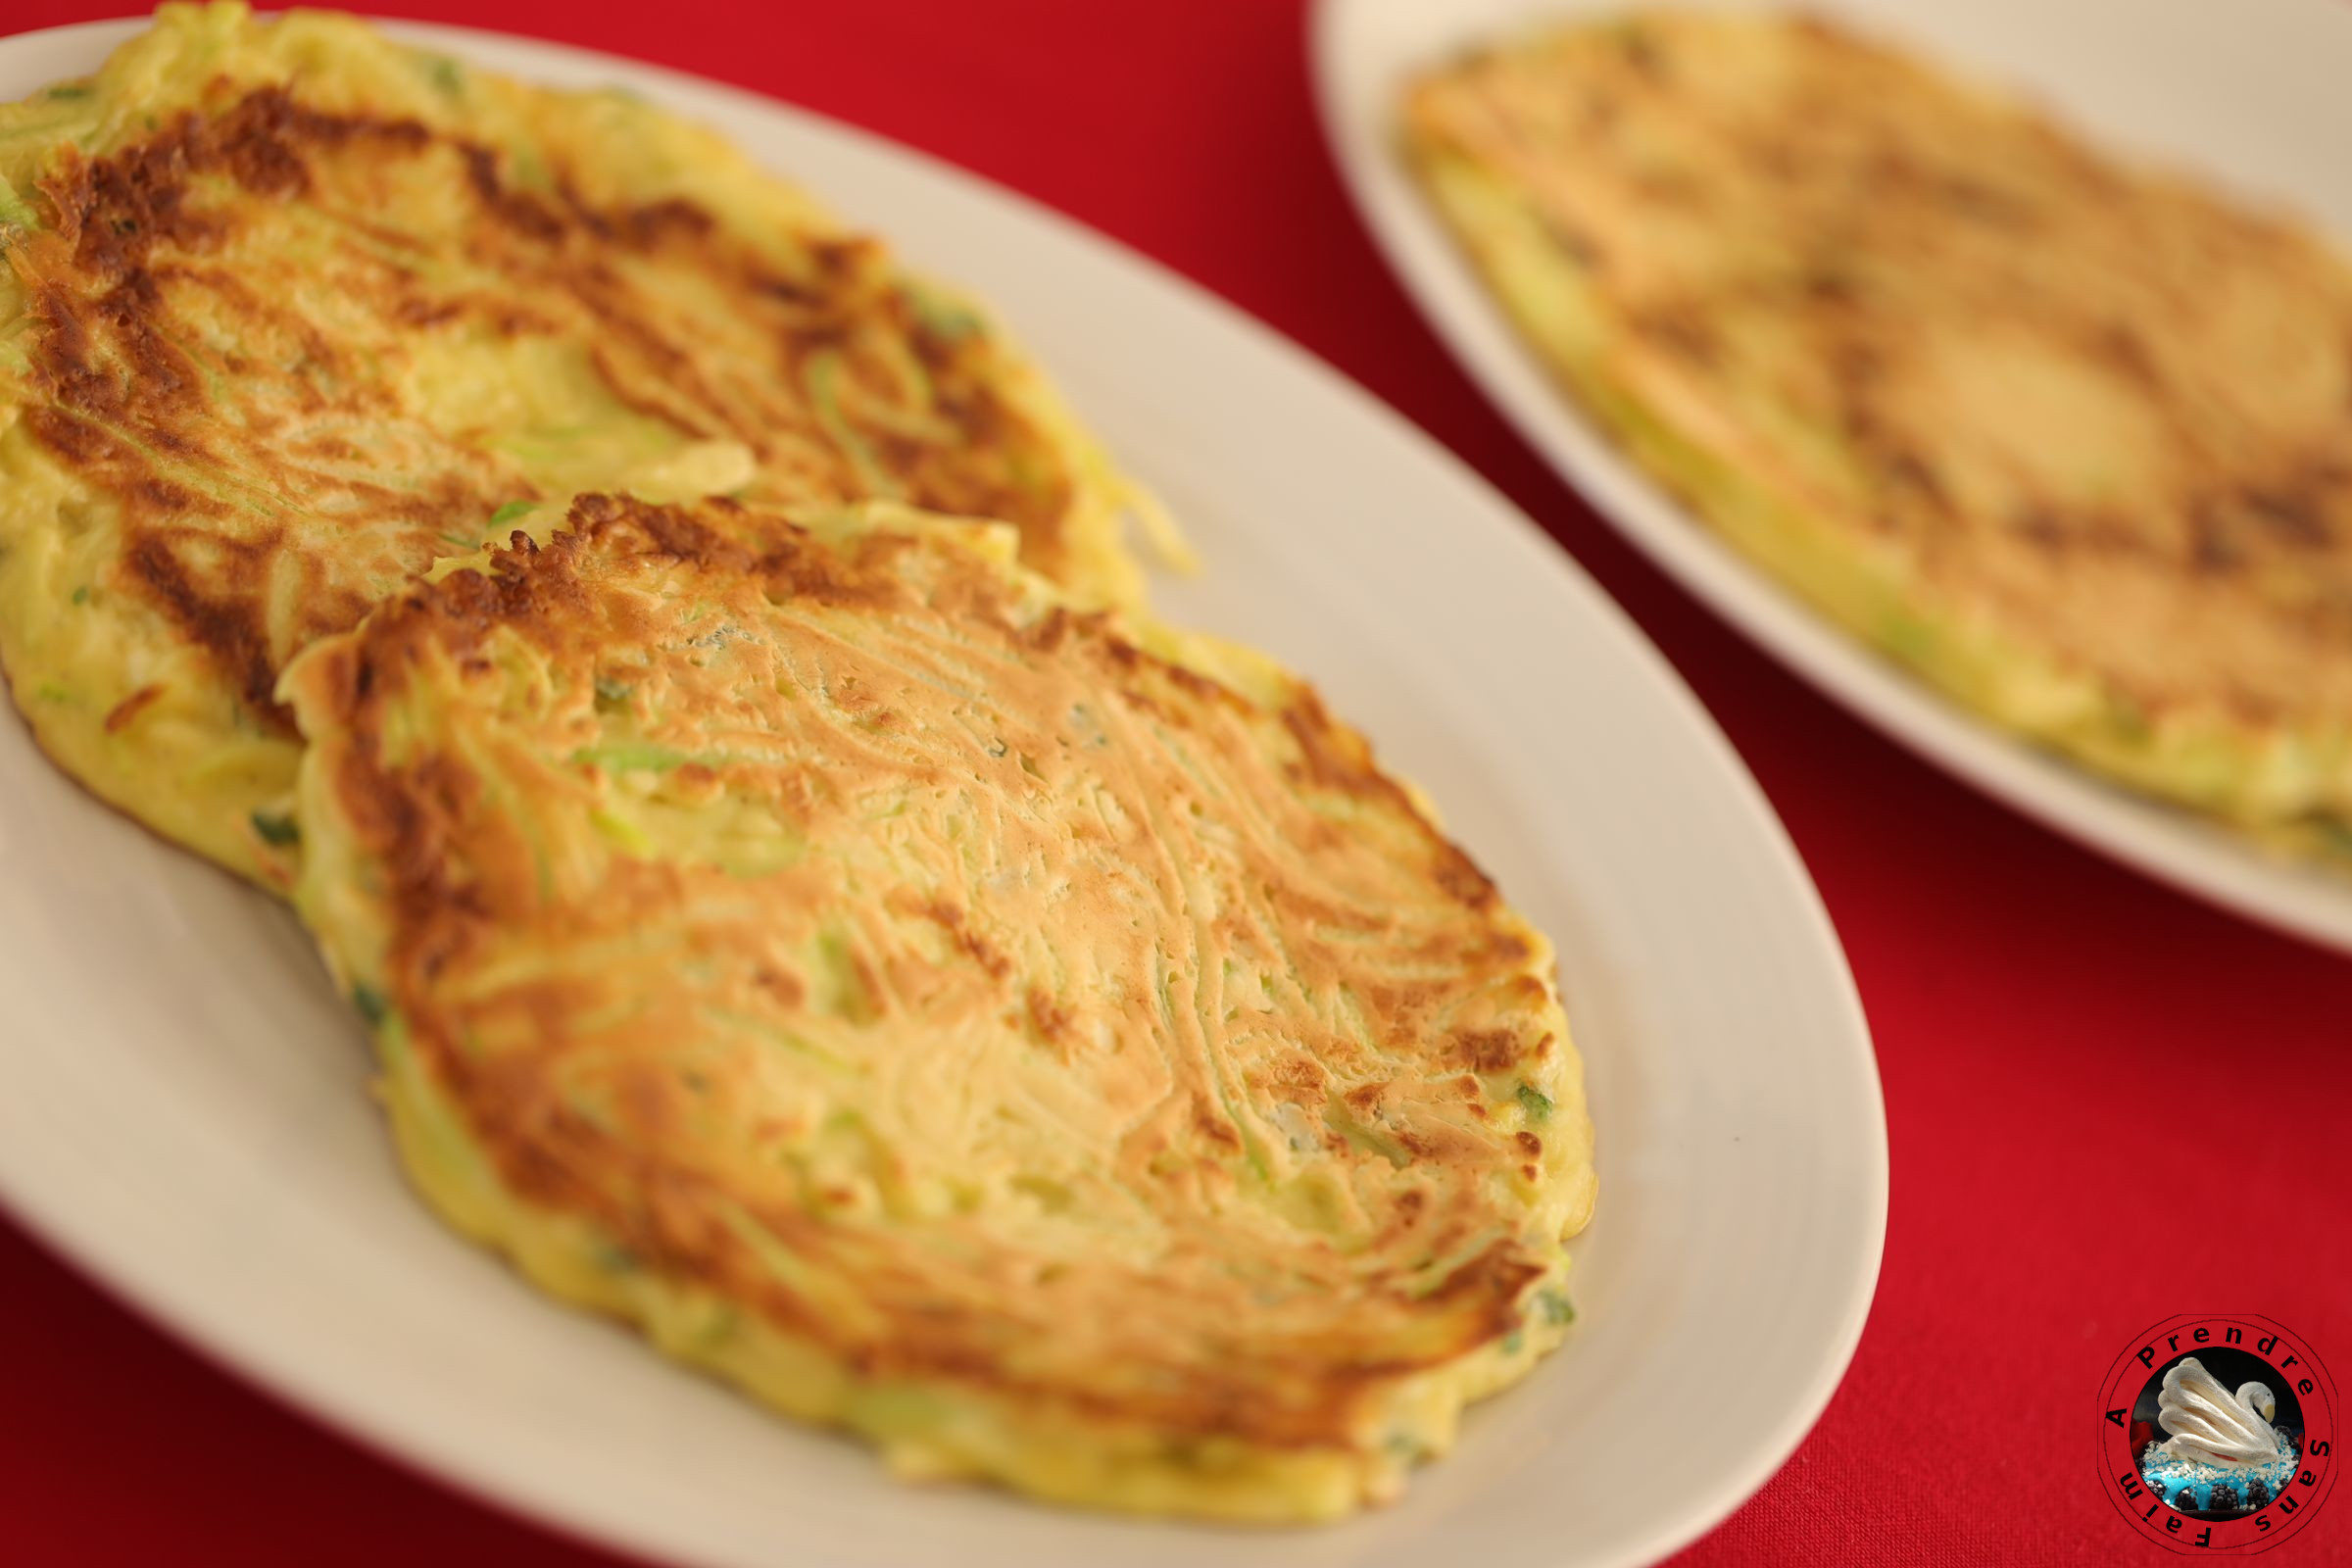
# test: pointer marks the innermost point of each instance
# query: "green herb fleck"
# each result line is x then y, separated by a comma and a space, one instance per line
510, 511
276, 827
372, 1004
446, 75
1513, 1342
2131, 719
1536, 1102
82, 595
1909, 637
945, 318
822, 375
719, 1326
1556, 1307
611, 691
525, 168
2336, 835
15, 209
1029, 472
621, 831
50, 691
67, 90
627, 756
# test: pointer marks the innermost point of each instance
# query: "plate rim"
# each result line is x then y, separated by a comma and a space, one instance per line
2169, 845
148, 1294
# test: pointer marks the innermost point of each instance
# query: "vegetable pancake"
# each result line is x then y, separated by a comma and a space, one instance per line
1056, 1052
2071, 439
288, 312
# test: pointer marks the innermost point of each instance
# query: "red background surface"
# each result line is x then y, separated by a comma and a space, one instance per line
2107, 1104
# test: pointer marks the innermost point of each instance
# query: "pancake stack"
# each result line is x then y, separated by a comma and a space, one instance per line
689, 678
291, 313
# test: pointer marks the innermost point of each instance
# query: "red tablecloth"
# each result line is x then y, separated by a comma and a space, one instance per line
2108, 1105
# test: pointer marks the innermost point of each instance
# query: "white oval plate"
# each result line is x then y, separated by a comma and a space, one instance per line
185, 1109
2248, 91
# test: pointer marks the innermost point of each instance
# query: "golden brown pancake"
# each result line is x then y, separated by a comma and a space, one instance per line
1050, 1048
2069, 437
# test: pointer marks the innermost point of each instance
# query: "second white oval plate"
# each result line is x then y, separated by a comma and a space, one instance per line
186, 1111
2249, 92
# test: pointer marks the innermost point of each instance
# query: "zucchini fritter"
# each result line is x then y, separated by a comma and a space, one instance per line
1055, 1051
2071, 439
288, 312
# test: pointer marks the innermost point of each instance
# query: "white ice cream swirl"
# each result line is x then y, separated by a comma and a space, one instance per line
2207, 1424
